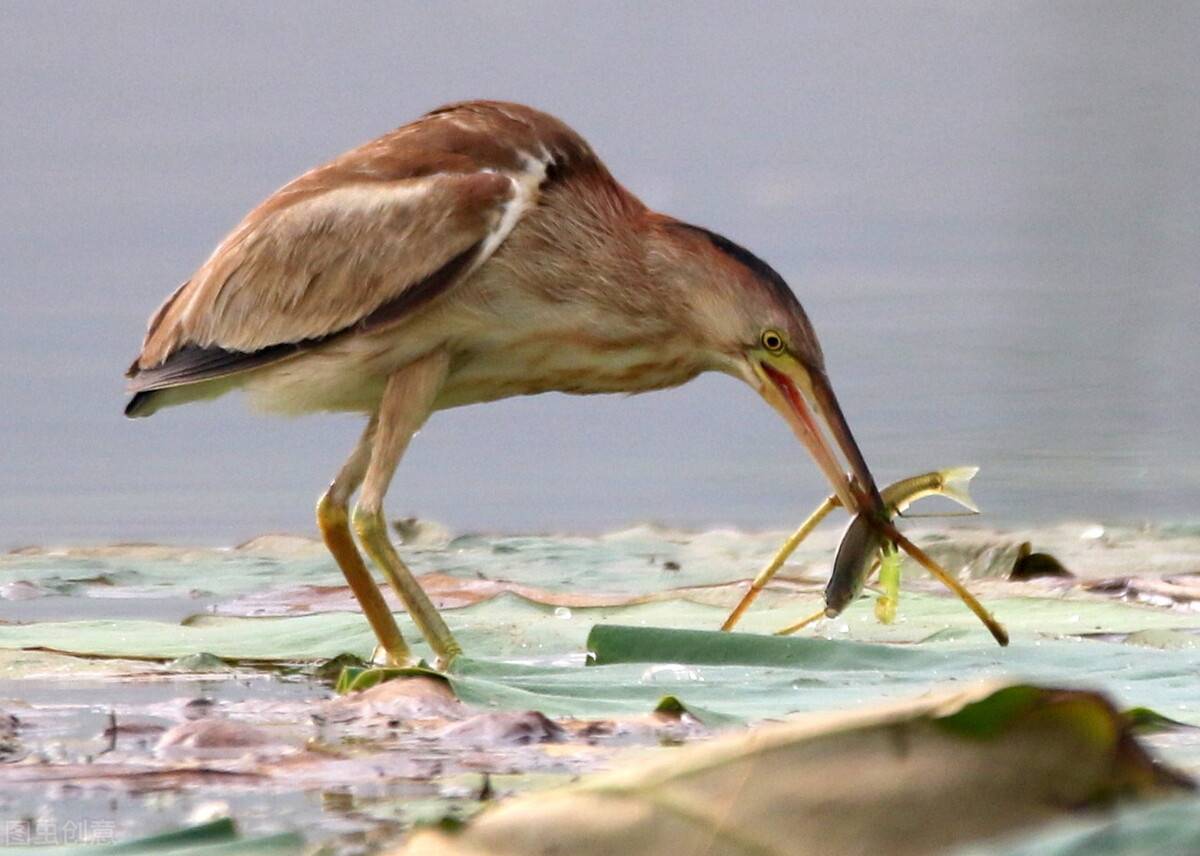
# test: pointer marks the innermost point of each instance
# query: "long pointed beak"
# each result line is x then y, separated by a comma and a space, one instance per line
789, 387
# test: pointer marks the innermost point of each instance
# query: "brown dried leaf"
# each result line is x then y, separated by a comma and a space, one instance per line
450, 592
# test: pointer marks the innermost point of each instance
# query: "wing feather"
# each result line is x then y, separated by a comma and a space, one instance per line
360, 241
317, 267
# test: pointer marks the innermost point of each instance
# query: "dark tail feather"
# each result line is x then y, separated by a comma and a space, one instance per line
195, 365
142, 404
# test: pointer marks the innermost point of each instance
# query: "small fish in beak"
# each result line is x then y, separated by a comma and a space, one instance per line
801, 393
863, 540
857, 552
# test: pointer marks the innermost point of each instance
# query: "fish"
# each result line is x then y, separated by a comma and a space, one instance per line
856, 554
862, 541
954, 483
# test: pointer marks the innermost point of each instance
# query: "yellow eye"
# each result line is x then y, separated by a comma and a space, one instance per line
772, 341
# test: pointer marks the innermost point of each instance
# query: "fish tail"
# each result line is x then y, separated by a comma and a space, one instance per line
956, 485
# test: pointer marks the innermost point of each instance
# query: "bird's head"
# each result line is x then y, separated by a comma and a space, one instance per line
754, 328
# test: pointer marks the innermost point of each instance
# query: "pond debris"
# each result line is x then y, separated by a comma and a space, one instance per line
10, 744
201, 662
414, 532
1179, 591
137, 729
486, 793
216, 738
21, 590
416, 697
1030, 565
110, 733
331, 669
198, 708
446, 592
1164, 639
503, 728
209, 811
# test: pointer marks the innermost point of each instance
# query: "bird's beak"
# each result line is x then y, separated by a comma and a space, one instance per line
805, 399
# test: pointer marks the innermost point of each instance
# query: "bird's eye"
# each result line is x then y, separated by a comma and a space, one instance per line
772, 341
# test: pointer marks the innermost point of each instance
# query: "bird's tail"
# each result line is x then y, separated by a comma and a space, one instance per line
142, 404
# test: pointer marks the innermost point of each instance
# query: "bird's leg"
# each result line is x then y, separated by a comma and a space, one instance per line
333, 521
407, 401
789, 547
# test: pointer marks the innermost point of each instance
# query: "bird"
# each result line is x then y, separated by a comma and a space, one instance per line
479, 252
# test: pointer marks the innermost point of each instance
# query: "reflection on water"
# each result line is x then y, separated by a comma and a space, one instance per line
990, 214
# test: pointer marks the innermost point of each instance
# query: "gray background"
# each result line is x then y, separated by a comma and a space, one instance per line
991, 211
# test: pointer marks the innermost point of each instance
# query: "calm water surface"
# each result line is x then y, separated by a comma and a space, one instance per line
991, 216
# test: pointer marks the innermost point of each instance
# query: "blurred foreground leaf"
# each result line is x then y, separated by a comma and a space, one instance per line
906, 779
1159, 829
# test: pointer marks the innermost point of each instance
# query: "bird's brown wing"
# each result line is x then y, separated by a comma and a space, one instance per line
344, 255
358, 242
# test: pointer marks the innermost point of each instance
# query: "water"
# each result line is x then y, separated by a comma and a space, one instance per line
990, 214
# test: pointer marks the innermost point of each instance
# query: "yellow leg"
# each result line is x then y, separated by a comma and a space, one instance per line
372, 531
407, 402
994, 627
800, 625
789, 547
333, 521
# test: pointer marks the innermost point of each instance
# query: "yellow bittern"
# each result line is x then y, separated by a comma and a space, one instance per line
480, 252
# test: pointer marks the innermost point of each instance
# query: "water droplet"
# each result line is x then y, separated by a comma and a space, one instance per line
669, 673
562, 612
